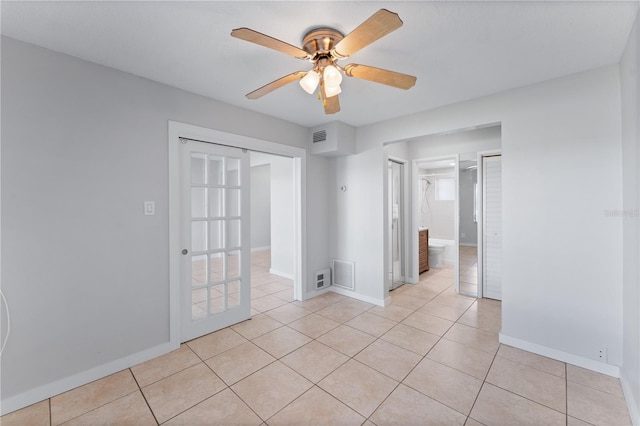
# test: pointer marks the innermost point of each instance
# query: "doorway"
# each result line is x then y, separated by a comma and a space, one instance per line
272, 231
179, 285
396, 226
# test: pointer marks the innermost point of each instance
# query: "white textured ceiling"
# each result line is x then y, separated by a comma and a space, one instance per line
458, 50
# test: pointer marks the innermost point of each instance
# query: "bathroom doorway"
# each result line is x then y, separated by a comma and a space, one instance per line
436, 212
396, 226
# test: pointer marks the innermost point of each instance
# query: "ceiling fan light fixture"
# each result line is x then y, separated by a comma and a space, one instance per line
330, 91
309, 82
332, 76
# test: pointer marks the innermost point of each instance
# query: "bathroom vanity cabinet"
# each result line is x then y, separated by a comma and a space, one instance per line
423, 250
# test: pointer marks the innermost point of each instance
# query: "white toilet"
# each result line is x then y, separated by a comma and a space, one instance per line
435, 255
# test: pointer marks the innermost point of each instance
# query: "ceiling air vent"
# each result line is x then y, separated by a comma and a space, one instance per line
319, 136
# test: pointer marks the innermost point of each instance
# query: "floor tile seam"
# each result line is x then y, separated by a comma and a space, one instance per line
164, 377
314, 385
368, 418
424, 331
104, 405
206, 399
381, 372
96, 407
527, 398
620, 397
530, 366
566, 394
286, 323
351, 408
204, 360
144, 396
437, 400
278, 358
243, 401
326, 375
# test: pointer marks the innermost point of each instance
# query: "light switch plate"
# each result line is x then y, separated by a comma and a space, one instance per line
149, 208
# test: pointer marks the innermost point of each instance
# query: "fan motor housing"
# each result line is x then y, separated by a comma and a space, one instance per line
319, 42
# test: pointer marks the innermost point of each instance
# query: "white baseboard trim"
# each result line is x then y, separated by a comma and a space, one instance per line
281, 274
311, 294
632, 403
569, 358
261, 248
354, 295
43, 392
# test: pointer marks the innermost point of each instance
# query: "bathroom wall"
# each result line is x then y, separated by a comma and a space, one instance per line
437, 215
468, 229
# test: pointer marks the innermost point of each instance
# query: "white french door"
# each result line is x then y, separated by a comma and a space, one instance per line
492, 227
214, 213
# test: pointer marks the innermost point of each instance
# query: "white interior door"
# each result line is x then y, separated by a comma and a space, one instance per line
215, 236
492, 224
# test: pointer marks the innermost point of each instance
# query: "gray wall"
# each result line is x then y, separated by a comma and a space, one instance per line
553, 135
630, 90
85, 273
261, 206
468, 227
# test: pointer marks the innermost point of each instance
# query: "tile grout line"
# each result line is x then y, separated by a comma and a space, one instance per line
144, 396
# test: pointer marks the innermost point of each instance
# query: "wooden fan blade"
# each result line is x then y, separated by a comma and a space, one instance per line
332, 104
270, 42
276, 84
377, 26
378, 75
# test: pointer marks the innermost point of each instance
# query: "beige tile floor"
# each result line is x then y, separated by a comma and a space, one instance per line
430, 357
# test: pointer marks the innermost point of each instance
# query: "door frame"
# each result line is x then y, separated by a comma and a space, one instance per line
480, 215
404, 197
177, 130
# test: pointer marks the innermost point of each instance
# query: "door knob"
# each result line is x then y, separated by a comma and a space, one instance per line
185, 251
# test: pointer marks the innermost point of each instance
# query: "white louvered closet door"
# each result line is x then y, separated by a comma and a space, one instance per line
492, 230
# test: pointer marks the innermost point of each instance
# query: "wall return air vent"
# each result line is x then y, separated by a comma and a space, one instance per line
319, 136
333, 140
343, 274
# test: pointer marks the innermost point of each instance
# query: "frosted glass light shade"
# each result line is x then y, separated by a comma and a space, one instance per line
332, 76
330, 91
310, 81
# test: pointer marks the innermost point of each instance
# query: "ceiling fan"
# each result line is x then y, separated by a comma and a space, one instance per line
324, 47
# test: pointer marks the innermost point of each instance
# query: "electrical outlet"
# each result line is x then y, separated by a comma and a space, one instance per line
602, 354
463, 235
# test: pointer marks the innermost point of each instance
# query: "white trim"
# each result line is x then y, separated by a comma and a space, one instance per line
354, 295
299, 155
49, 390
281, 274
634, 410
569, 358
406, 218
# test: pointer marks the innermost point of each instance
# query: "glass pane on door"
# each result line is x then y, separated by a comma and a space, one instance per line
216, 238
